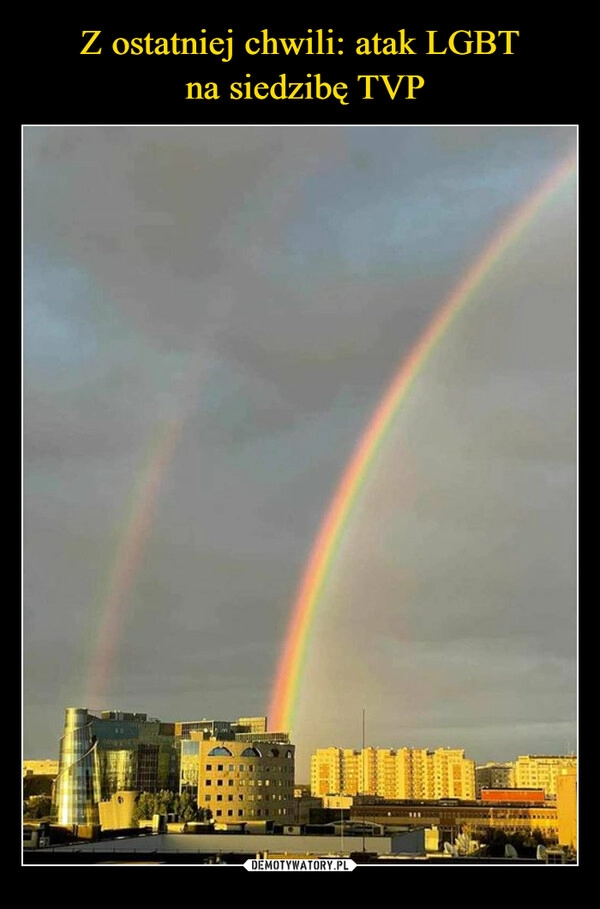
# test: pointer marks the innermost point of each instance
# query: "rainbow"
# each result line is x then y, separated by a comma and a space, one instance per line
127, 562
326, 545
133, 539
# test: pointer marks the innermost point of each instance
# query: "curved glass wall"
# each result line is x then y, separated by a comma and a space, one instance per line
77, 789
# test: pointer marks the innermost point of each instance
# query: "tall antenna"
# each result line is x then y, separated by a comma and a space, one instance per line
364, 787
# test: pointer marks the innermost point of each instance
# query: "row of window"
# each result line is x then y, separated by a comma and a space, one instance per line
193, 747
281, 768
259, 783
250, 798
241, 813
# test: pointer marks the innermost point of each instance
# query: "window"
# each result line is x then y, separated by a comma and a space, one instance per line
219, 766
207, 798
230, 782
190, 748
229, 813
231, 767
219, 812
219, 782
220, 750
208, 782
251, 752
230, 798
219, 798
209, 766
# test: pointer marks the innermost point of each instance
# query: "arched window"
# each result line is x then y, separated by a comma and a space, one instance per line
251, 752
274, 752
220, 749
289, 754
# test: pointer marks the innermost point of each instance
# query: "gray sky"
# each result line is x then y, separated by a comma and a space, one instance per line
211, 314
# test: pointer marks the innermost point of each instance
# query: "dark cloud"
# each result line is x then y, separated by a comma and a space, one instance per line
252, 291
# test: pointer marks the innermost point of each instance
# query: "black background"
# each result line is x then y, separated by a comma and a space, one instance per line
542, 82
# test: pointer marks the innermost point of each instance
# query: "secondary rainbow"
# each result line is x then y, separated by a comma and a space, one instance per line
327, 543
134, 536
127, 563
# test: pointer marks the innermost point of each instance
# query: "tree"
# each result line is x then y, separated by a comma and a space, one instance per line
165, 802
38, 806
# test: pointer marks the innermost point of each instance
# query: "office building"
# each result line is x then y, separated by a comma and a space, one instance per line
108, 752
238, 780
226, 730
77, 787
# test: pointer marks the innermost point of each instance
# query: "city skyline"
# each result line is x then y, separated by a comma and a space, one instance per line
211, 317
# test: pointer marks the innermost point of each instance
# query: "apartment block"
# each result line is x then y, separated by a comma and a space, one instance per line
541, 771
407, 773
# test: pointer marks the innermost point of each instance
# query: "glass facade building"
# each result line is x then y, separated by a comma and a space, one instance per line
77, 788
109, 752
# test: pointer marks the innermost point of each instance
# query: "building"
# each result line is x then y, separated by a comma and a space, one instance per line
566, 806
408, 773
494, 776
329, 772
451, 775
38, 778
240, 781
113, 753
540, 771
116, 813
77, 788
108, 752
522, 796
253, 724
221, 729
135, 752
226, 730
453, 816
46, 767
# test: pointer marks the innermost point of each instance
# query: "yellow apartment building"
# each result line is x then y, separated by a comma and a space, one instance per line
541, 771
408, 773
